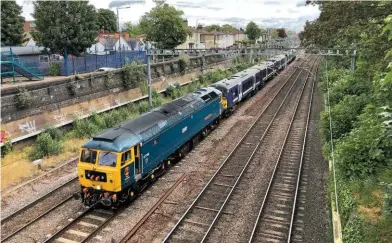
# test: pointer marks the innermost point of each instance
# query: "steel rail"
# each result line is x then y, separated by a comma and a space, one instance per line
31, 204
37, 218
60, 231
277, 163
249, 160
230, 155
152, 210
301, 162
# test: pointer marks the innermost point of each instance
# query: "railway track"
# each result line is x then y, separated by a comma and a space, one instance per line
200, 218
84, 226
276, 215
34, 211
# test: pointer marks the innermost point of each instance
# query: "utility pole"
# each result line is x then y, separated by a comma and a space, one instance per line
119, 30
148, 53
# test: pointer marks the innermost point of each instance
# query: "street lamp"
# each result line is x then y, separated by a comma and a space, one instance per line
119, 30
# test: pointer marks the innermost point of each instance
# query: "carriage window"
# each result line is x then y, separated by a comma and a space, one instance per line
125, 157
107, 159
88, 156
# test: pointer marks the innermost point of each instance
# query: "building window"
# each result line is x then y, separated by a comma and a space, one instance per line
43, 58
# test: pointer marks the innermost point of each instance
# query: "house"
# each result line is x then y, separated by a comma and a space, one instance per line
29, 26
106, 43
192, 40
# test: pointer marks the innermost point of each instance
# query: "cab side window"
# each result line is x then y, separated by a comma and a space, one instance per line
88, 156
125, 157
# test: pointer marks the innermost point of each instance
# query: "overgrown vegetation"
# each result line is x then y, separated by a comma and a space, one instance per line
108, 79
54, 69
361, 113
183, 62
72, 87
23, 98
7, 147
133, 74
47, 143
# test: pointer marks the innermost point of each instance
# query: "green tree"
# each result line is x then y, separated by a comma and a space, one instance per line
281, 33
107, 20
228, 28
134, 29
164, 25
11, 24
213, 27
65, 27
253, 31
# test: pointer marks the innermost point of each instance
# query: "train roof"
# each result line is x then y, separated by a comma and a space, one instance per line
233, 80
145, 126
259, 67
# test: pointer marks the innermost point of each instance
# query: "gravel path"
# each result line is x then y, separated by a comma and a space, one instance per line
316, 216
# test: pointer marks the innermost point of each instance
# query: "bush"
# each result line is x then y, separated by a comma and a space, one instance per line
45, 146
55, 133
54, 69
7, 148
133, 74
85, 128
183, 62
366, 149
157, 101
23, 98
98, 120
143, 107
108, 80
344, 115
143, 87
72, 86
155, 94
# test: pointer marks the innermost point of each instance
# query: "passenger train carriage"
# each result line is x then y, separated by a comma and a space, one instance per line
116, 165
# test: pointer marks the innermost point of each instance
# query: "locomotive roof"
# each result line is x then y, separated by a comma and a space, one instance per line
145, 126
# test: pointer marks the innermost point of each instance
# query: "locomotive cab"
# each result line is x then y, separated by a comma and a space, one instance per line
103, 174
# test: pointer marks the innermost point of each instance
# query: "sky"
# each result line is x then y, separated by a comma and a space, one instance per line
290, 14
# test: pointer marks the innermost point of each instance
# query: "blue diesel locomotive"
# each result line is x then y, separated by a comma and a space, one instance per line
116, 165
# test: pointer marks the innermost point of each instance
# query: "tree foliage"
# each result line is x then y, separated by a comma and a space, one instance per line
164, 26
65, 26
281, 33
11, 24
134, 29
107, 20
224, 28
253, 31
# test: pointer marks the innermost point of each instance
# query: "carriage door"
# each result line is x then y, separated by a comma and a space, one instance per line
240, 92
138, 164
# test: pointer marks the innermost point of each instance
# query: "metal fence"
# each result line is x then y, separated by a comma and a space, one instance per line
92, 62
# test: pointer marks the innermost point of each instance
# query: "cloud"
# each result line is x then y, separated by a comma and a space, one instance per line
201, 5
278, 10
301, 3
290, 10
116, 4
271, 3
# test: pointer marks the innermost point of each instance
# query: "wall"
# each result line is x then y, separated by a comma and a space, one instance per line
54, 95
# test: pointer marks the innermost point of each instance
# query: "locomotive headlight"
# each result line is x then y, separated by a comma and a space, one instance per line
98, 187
